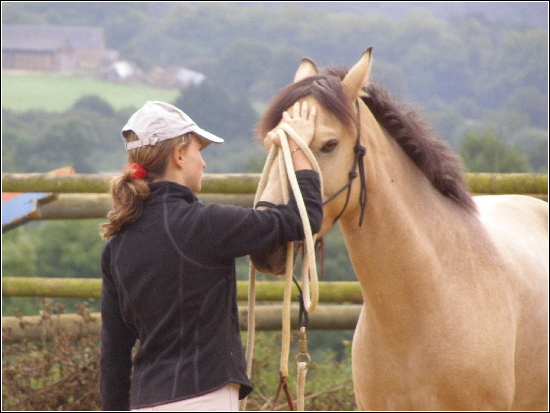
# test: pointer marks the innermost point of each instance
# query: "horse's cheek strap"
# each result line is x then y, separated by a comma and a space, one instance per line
360, 152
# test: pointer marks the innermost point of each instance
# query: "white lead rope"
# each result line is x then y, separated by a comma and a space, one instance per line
309, 267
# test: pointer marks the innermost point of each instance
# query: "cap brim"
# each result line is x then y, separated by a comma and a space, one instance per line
207, 137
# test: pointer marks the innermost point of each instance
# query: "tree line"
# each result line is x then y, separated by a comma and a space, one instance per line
468, 74
482, 85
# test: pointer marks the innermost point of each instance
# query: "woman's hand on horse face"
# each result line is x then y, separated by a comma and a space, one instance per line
302, 120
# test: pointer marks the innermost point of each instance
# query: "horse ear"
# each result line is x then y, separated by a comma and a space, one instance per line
307, 68
357, 76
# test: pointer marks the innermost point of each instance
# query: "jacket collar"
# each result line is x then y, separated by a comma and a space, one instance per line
160, 190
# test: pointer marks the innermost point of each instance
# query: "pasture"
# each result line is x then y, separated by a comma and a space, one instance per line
57, 93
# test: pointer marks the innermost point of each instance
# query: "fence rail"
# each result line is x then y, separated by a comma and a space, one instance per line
83, 196
478, 183
341, 316
268, 317
99, 183
329, 291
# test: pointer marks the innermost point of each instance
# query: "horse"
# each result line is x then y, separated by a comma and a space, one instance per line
454, 286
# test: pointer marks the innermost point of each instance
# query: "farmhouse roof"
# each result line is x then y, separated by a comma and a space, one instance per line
49, 38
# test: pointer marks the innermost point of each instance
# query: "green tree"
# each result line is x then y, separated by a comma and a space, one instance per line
66, 249
337, 265
18, 253
486, 153
530, 101
241, 62
518, 58
86, 137
55, 249
534, 142
66, 141
19, 260
69, 248
94, 103
230, 116
20, 133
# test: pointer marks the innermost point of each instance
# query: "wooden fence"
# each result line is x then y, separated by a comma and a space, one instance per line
86, 195
82, 196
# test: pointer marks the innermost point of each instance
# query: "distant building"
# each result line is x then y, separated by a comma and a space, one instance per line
123, 71
119, 71
185, 77
173, 77
52, 48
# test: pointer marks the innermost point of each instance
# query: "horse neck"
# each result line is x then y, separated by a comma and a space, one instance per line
396, 253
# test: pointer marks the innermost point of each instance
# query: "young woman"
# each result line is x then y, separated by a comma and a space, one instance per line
169, 267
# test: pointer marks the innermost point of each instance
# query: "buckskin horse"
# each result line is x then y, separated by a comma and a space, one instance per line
455, 288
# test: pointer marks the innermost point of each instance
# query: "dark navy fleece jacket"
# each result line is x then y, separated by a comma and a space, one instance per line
169, 281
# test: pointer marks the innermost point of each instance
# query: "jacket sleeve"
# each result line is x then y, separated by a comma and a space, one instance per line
117, 341
231, 231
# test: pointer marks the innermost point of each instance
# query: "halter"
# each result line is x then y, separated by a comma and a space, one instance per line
360, 152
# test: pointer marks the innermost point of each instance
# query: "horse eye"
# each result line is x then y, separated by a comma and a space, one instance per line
329, 146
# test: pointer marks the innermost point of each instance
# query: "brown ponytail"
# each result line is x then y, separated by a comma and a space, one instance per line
129, 194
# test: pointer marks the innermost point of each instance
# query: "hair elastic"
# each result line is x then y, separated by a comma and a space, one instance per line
137, 170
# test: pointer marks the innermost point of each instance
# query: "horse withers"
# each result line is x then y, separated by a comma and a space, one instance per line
455, 288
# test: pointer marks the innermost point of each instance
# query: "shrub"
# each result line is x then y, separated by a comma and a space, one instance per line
63, 373
60, 374
328, 384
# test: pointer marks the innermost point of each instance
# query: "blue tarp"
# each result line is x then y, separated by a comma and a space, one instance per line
18, 208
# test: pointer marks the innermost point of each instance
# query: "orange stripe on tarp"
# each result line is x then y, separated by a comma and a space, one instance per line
6, 196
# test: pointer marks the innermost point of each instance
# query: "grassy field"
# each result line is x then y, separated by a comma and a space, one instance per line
57, 93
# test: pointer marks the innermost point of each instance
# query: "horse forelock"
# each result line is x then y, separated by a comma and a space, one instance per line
325, 87
433, 156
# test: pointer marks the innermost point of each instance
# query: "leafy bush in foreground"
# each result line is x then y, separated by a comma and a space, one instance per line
63, 373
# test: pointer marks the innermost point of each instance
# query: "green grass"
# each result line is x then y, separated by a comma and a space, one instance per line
57, 93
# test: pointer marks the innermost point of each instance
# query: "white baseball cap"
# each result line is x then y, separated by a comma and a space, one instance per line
159, 121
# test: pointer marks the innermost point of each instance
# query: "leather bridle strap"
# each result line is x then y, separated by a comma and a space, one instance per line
360, 152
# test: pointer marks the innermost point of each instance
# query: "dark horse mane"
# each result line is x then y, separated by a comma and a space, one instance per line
432, 155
